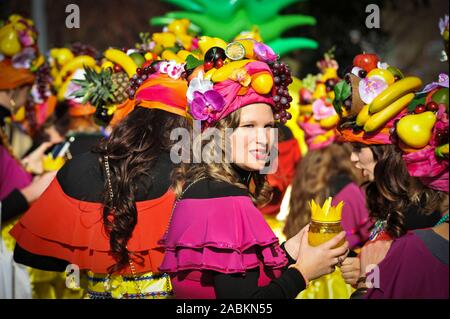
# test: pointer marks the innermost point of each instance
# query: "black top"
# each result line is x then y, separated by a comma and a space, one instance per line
84, 142
13, 205
82, 178
414, 219
287, 286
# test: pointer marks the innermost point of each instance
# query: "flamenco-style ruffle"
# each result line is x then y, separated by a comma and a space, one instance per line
227, 235
63, 227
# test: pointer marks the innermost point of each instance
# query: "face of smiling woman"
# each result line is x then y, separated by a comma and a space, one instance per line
363, 159
251, 140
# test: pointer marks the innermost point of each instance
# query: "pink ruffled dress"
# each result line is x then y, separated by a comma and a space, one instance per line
218, 235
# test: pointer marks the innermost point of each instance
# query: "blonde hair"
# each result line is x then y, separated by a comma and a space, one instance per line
221, 170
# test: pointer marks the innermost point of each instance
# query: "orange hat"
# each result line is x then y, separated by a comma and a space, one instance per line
11, 77
159, 91
19, 52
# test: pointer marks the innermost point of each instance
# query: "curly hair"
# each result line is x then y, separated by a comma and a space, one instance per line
393, 190
132, 149
312, 180
215, 164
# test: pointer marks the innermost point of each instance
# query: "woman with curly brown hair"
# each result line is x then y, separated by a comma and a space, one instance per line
218, 244
400, 143
107, 209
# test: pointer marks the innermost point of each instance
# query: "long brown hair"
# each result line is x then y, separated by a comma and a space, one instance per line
312, 180
393, 190
132, 148
223, 170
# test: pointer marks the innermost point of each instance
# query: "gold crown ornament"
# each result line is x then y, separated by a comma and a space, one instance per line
325, 222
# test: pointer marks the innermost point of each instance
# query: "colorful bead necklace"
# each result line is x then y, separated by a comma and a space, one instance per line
378, 228
442, 220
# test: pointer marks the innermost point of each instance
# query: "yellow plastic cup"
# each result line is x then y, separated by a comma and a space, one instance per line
50, 164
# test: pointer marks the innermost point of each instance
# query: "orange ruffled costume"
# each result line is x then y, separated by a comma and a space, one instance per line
80, 237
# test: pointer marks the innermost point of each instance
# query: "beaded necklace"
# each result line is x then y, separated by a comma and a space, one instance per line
378, 228
442, 220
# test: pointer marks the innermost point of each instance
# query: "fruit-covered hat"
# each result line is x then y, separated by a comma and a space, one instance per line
371, 98
67, 66
158, 85
317, 116
19, 55
152, 75
378, 105
234, 75
422, 134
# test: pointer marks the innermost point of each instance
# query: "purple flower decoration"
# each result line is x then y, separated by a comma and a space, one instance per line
205, 106
321, 110
24, 58
370, 88
264, 53
443, 24
25, 38
442, 82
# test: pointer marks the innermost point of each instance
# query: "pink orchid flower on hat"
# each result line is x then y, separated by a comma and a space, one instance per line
264, 53
206, 106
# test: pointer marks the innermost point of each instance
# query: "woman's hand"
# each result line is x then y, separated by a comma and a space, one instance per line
350, 270
372, 254
314, 262
33, 162
292, 245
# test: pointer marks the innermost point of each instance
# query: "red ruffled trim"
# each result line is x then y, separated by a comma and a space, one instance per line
227, 235
60, 226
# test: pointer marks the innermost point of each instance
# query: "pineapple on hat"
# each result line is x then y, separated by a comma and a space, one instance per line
104, 90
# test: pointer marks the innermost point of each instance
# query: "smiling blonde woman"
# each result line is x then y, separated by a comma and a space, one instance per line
218, 244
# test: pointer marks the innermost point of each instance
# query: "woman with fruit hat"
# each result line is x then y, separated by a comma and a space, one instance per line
16, 79
399, 144
22, 72
218, 244
110, 206
74, 117
325, 171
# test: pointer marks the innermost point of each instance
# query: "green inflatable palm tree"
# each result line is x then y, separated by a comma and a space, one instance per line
227, 18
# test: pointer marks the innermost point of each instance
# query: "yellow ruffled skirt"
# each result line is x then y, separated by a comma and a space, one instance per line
330, 286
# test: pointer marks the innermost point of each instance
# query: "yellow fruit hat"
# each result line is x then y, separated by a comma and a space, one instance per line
317, 116
233, 75
19, 55
371, 98
422, 134
66, 66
